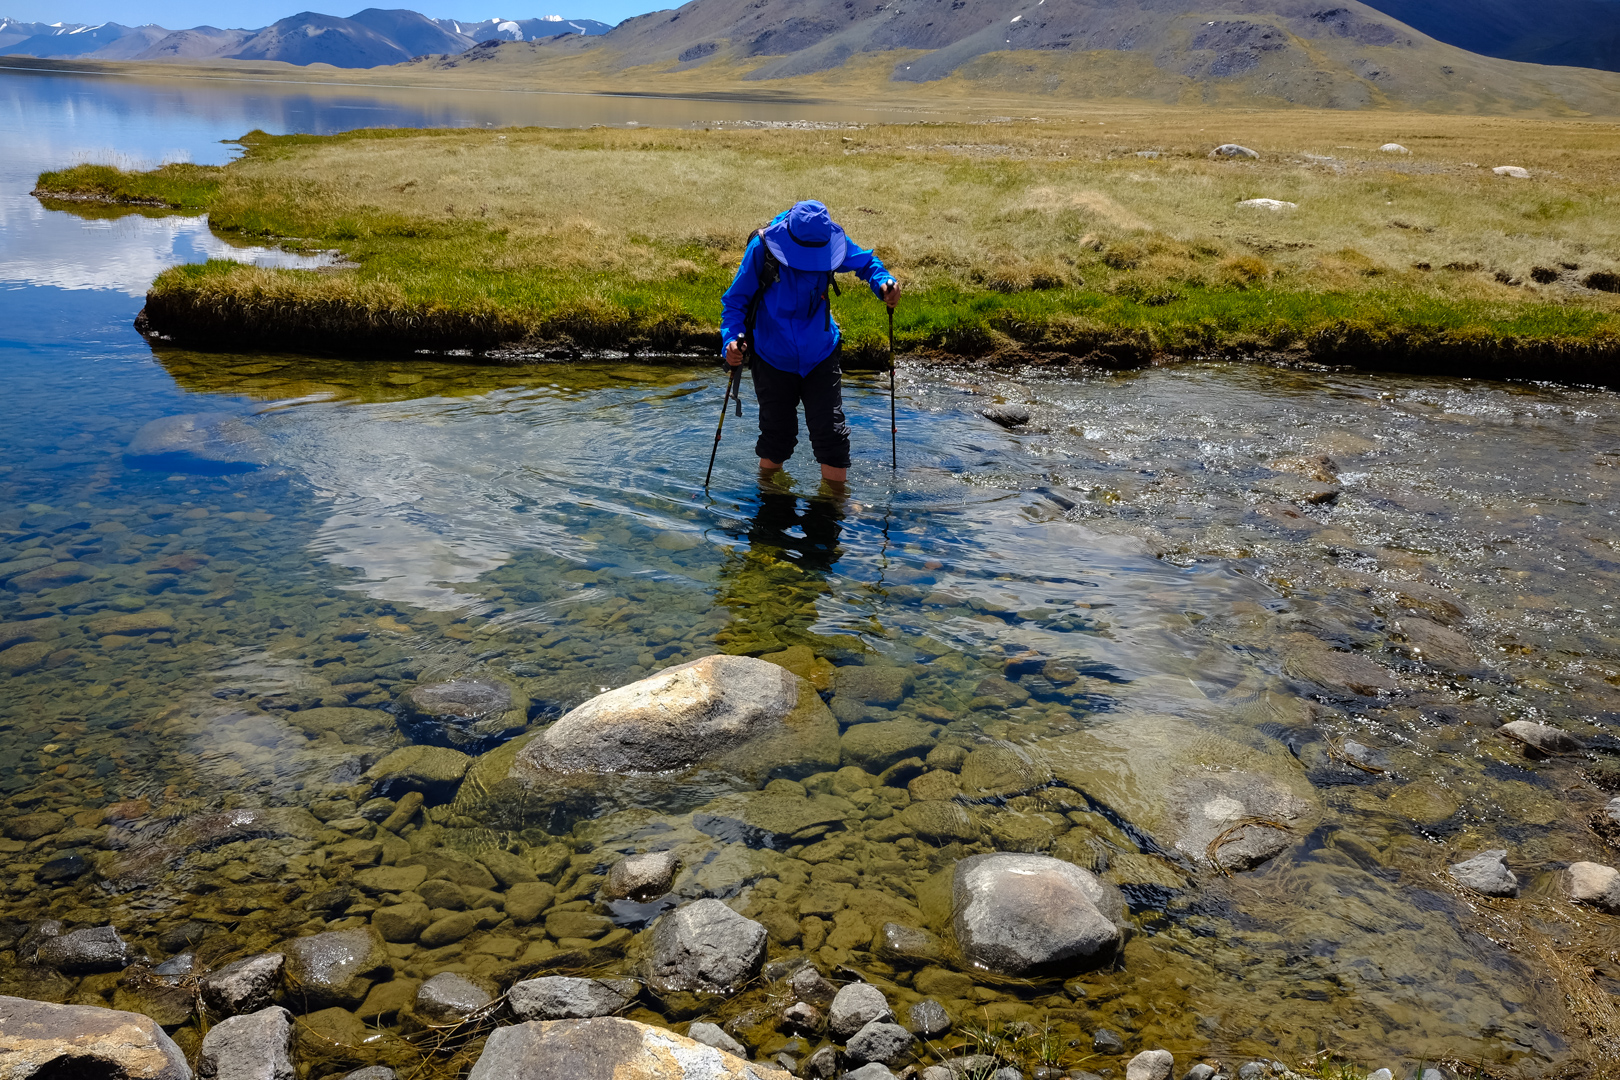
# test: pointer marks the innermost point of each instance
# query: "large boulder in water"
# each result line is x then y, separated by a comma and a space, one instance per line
336, 968
38, 1038
471, 714
603, 1048
1028, 914
202, 443
722, 722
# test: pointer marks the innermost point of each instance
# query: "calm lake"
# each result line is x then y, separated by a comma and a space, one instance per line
1174, 591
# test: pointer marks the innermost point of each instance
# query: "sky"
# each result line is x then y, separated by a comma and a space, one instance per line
180, 14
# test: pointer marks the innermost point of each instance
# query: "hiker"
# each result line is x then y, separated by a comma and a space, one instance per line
778, 317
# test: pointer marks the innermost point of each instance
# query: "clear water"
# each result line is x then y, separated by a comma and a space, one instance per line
1136, 592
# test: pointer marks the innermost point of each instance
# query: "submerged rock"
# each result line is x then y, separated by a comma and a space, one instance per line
471, 714
641, 877
928, 1019
1595, 884
726, 719
604, 1048
434, 771
203, 443
255, 1046
1234, 820
449, 998
706, 948
1486, 874
1539, 738
39, 1038
1020, 914
854, 1006
336, 968
244, 986
712, 1035
85, 952
1008, 416
562, 997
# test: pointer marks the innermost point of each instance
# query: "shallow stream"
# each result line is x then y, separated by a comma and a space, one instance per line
1334, 586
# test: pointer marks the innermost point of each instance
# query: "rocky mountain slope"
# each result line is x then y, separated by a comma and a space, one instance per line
369, 38
1579, 33
1339, 54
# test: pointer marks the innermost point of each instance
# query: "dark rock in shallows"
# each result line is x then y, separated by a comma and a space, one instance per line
62, 869
1006, 415
880, 1041
803, 1016
928, 1019
41, 1039
641, 877
562, 997
243, 986
810, 985
824, 1064
254, 1046
336, 968
1540, 738
470, 714
1017, 914
603, 1048
434, 771
705, 947
908, 945
1104, 1041
449, 998
1486, 874
86, 952
855, 1006
712, 1035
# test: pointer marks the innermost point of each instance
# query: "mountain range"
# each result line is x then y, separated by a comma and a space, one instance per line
369, 38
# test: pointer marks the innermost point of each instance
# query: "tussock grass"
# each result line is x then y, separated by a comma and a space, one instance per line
1047, 241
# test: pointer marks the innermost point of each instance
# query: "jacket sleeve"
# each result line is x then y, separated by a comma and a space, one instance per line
868, 267
734, 304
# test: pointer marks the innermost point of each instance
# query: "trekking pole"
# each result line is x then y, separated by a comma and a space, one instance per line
733, 382
894, 430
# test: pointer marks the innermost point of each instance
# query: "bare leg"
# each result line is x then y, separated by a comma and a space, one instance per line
766, 465
834, 476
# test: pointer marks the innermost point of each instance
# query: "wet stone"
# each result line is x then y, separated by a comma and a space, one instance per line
449, 998
705, 947
401, 923
881, 1041
561, 997
712, 1035
525, 902
872, 684
1150, 1065
1595, 884
940, 822
435, 771
1539, 738
468, 714
927, 1019
336, 968
602, 1048
254, 1046
855, 1006
1104, 1041
449, 930
874, 747
907, 945
1008, 416
34, 826
641, 877
85, 952
44, 1039
811, 986
1225, 818
1017, 914
244, 985
803, 1016
65, 868
1486, 873
1001, 770
874, 1070
939, 785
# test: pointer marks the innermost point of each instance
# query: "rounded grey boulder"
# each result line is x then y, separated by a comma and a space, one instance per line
705, 947
855, 1006
1486, 874
85, 952
728, 720
336, 968
471, 714
563, 997
448, 999
880, 1041
1017, 914
254, 1046
244, 986
641, 877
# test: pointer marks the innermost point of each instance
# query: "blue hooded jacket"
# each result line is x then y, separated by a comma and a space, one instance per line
792, 330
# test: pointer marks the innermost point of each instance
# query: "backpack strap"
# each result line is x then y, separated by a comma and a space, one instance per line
770, 272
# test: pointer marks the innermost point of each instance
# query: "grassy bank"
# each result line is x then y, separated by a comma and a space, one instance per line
1057, 241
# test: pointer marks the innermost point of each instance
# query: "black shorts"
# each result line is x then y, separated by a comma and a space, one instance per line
822, 393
